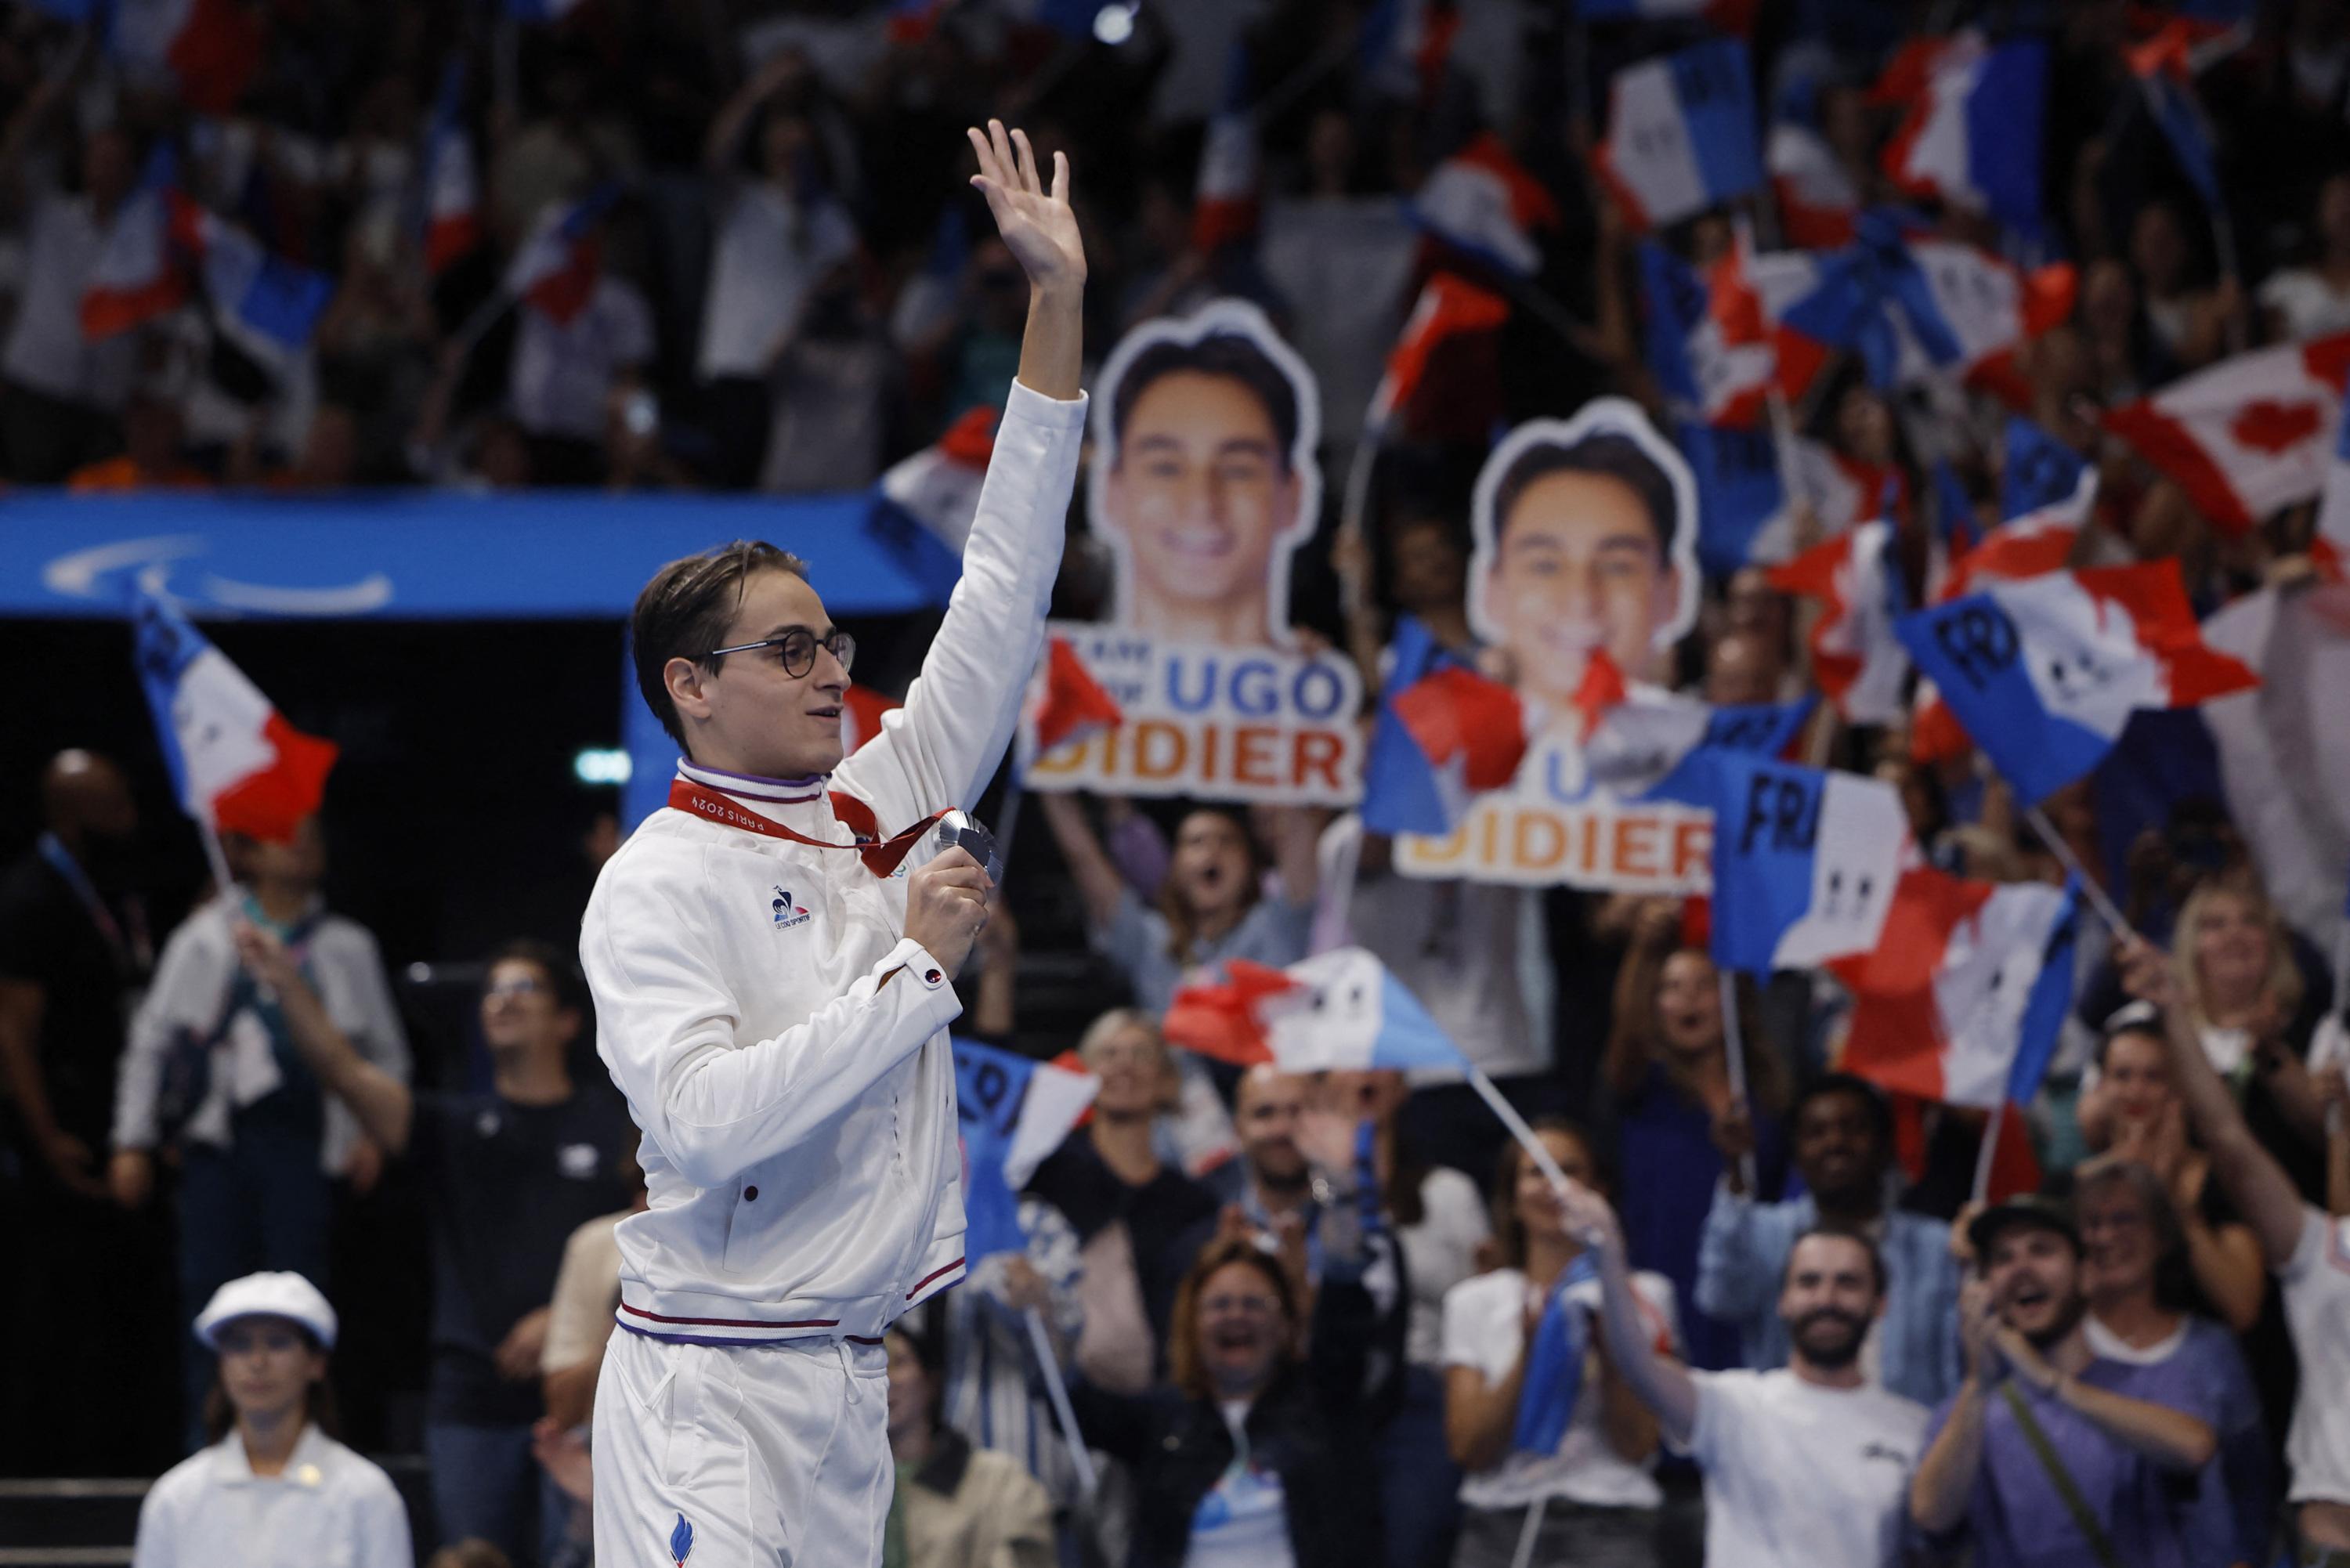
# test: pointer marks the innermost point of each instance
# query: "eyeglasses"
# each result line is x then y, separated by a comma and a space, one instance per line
525, 986
795, 649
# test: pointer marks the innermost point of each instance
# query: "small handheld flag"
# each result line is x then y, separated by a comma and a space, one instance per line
2044, 673
1335, 1011
236, 765
1805, 863
1013, 1111
1964, 997
1681, 133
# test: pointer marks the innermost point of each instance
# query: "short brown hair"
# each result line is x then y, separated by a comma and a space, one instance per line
1183, 1331
685, 611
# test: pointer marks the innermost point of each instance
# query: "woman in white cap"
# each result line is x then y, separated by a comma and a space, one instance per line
274, 1490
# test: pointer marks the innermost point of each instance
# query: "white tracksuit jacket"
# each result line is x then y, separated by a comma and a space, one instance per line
800, 1144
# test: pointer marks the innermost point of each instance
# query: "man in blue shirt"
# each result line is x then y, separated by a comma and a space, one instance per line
2047, 1455
1843, 1149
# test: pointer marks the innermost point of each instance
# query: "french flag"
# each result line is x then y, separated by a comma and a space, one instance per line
210, 47
1805, 862
453, 200
929, 499
1482, 202
555, 270
1337, 1011
1978, 310
1963, 998
1818, 202
1447, 312
268, 304
1655, 744
1972, 137
1405, 47
1713, 356
2248, 437
1444, 733
2044, 673
1224, 203
137, 276
2039, 542
2164, 65
1726, 15
911, 21
1011, 1111
1681, 134
238, 766
1857, 661
1065, 704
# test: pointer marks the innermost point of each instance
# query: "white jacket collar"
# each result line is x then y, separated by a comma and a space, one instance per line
801, 805
305, 1467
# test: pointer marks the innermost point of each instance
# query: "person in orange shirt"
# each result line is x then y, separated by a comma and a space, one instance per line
151, 429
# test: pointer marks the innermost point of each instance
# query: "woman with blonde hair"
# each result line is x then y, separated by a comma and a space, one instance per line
2247, 1001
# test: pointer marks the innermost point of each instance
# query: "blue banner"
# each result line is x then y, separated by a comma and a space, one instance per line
411, 554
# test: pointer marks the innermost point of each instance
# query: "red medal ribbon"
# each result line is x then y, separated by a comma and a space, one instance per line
880, 857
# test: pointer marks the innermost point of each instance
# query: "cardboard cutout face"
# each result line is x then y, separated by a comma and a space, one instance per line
1586, 539
1204, 477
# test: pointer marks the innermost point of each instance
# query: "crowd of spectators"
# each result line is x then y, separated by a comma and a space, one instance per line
1299, 1319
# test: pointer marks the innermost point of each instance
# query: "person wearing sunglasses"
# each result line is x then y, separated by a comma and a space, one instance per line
507, 1176
772, 960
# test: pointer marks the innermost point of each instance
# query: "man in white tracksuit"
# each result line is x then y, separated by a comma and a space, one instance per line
772, 989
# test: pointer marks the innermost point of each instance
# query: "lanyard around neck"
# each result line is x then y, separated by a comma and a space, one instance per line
880, 857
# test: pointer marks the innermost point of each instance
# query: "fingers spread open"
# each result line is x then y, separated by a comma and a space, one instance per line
1028, 178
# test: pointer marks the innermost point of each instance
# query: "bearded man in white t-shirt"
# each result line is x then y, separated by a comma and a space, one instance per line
1807, 1466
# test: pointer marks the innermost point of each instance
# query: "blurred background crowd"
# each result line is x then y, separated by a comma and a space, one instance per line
777, 281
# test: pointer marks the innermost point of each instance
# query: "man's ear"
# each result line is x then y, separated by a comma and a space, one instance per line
684, 679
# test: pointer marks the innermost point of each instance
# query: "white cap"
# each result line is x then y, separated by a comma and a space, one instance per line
285, 1295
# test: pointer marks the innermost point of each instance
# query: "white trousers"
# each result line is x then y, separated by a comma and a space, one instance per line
747, 1455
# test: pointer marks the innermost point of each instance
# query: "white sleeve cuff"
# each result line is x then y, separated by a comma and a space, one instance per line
1027, 403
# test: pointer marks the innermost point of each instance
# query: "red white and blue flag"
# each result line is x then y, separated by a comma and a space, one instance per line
1971, 133
1011, 1111
268, 305
555, 271
452, 196
1224, 203
1818, 202
1727, 15
1337, 1011
1964, 996
1655, 744
1405, 47
1856, 660
2165, 65
2039, 542
2044, 673
2248, 437
1065, 704
1482, 203
1444, 734
1681, 134
137, 277
1447, 311
1805, 862
236, 765
211, 49
1713, 354
2036, 469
